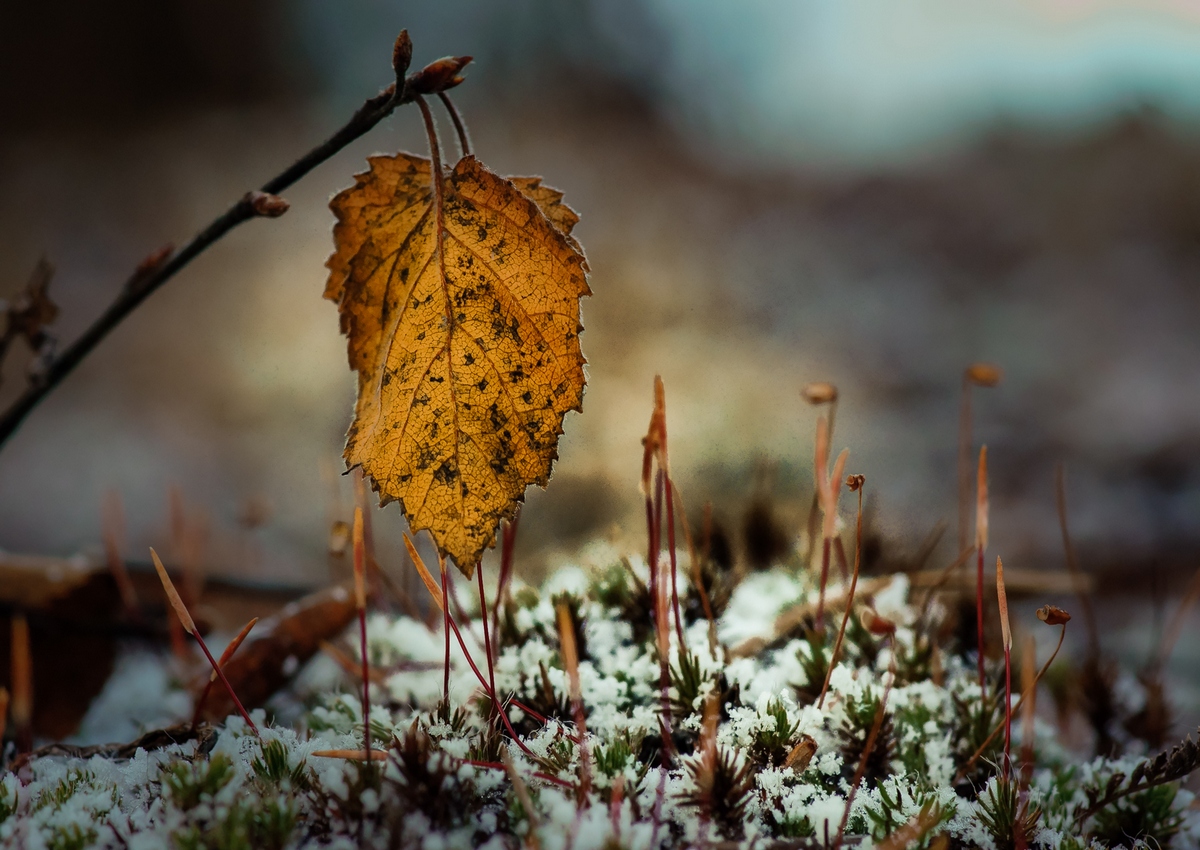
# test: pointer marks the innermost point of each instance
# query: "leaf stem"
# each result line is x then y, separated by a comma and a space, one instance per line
464, 142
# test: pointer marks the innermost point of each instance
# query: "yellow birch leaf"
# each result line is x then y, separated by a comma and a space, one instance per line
463, 326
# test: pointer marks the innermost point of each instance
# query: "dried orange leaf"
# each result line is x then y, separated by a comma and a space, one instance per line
463, 326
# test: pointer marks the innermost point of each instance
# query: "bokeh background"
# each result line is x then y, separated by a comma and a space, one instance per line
773, 192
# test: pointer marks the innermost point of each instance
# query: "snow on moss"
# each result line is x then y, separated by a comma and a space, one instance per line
776, 767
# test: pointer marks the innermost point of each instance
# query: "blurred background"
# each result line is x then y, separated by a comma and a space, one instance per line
773, 192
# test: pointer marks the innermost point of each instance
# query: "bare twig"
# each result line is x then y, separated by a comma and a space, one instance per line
160, 267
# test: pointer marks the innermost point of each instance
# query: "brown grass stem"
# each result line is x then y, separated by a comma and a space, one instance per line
858, 482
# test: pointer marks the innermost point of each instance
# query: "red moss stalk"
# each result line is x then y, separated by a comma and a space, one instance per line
185, 620
221, 662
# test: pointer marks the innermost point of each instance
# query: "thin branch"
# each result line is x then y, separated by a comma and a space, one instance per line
164, 265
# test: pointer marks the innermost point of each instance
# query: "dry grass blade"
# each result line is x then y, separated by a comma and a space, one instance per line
1006, 632
566, 636
181, 611
233, 647
431, 585
855, 483
351, 755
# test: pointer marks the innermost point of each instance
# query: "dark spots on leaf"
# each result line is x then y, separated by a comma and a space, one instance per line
496, 417
425, 458
482, 385
446, 473
469, 359
436, 379
422, 399
527, 397
420, 336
